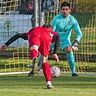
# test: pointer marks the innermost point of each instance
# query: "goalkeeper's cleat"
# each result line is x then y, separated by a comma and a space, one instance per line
31, 73
50, 87
74, 75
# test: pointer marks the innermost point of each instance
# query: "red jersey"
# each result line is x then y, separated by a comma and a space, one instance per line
42, 37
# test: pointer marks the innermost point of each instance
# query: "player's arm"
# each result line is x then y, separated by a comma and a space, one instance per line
56, 42
53, 24
78, 36
78, 32
12, 39
15, 37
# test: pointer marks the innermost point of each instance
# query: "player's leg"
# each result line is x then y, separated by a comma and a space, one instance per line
44, 50
33, 55
47, 72
45, 66
70, 59
39, 65
34, 43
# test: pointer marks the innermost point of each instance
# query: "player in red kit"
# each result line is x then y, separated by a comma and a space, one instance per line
39, 39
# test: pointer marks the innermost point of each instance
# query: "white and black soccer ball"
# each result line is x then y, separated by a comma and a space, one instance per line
55, 71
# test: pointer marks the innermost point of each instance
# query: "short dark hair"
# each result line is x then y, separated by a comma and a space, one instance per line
47, 25
65, 4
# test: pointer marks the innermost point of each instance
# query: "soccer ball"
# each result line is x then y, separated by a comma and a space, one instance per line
55, 71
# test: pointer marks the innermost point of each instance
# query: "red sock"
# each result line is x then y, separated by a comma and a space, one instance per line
46, 71
33, 53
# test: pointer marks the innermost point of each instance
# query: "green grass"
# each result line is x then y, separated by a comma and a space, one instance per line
21, 85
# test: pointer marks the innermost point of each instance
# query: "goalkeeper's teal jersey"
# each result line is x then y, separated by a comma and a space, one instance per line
63, 26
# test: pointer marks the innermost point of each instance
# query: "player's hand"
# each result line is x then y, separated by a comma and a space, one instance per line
55, 57
3, 47
75, 46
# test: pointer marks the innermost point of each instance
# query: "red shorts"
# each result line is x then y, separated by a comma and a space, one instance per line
42, 39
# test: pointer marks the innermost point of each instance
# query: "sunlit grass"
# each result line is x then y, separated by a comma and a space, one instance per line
21, 85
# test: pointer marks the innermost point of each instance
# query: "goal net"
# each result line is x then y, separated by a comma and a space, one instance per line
15, 16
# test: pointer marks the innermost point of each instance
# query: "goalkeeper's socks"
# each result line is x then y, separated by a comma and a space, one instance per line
71, 61
46, 71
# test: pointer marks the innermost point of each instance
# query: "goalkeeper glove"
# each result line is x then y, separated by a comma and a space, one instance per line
75, 45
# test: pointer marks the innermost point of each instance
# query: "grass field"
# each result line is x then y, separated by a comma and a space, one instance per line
21, 85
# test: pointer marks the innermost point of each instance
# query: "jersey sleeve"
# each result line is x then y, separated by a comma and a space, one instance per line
56, 42
15, 37
53, 24
77, 30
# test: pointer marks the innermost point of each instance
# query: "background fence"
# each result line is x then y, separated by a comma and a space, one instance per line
20, 15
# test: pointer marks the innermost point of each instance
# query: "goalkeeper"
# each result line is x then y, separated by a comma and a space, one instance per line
63, 23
